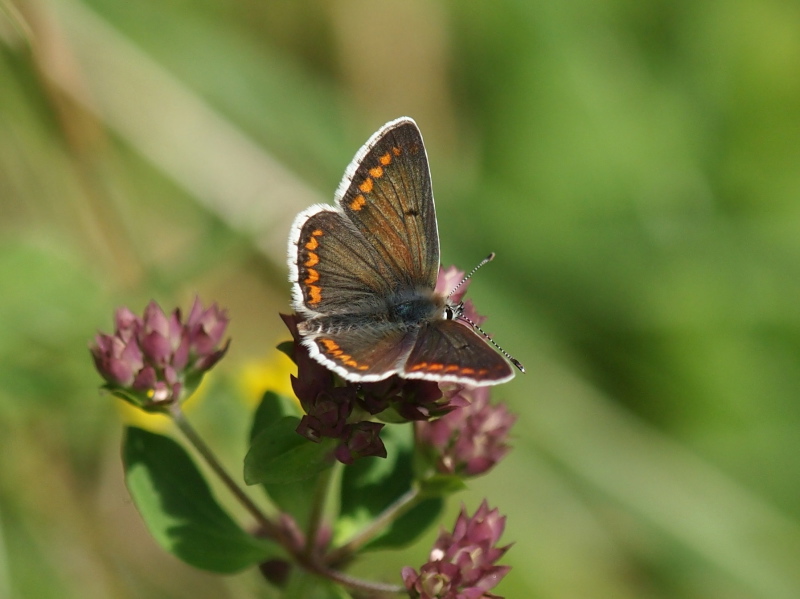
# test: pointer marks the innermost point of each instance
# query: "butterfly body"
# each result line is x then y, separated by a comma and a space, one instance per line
364, 273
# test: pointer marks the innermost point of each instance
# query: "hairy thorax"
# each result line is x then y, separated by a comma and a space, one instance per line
409, 309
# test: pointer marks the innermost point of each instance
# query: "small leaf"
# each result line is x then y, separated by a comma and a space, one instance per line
279, 455
178, 508
287, 347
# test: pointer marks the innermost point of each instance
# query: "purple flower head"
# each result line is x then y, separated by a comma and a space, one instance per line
462, 563
156, 359
335, 408
471, 439
360, 440
202, 334
327, 406
411, 399
327, 414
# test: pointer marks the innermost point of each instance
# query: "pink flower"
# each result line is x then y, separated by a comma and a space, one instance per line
462, 563
471, 439
153, 360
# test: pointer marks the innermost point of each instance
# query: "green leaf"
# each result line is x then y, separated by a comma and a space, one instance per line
272, 408
294, 498
372, 484
178, 508
278, 455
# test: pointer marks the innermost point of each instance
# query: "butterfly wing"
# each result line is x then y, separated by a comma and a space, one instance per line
447, 350
334, 269
386, 193
379, 239
363, 353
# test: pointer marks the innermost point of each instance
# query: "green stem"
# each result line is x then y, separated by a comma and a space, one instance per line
401, 505
306, 559
264, 522
349, 581
317, 510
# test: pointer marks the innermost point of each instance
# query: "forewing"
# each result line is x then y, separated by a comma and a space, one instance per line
360, 354
386, 192
333, 268
447, 350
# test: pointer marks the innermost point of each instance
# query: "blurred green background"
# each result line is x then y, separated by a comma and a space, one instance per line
633, 164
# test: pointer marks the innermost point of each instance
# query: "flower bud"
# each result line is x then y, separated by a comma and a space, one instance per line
360, 440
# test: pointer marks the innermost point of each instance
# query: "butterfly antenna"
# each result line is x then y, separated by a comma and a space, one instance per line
508, 356
483, 262
474, 325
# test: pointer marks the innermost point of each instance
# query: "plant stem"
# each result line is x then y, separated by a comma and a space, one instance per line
264, 522
317, 510
403, 503
305, 558
351, 582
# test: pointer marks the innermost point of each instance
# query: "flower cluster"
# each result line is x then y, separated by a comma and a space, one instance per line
157, 359
341, 410
469, 440
462, 563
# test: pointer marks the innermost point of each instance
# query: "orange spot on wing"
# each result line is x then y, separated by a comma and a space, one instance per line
332, 349
313, 259
313, 276
358, 203
396, 151
316, 294
312, 244
385, 159
329, 344
376, 172
366, 186
467, 371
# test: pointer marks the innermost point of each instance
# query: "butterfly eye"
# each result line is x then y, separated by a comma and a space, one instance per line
453, 311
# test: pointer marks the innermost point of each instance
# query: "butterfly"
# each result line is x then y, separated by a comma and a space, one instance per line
364, 271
